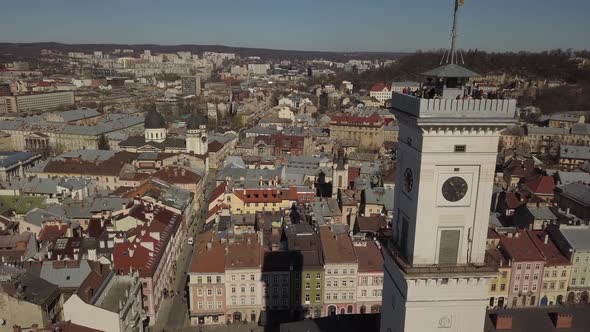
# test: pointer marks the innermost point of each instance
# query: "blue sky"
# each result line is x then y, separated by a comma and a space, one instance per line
329, 25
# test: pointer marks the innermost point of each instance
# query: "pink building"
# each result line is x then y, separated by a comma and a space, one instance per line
207, 281
527, 268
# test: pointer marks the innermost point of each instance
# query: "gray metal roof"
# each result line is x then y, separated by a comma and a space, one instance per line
571, 177
574, 152
578, 237
548, 131
581, 129
67, 276
542, 213
450, 70
577, 191
8, 159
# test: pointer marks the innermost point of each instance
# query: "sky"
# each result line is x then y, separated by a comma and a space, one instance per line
321, 25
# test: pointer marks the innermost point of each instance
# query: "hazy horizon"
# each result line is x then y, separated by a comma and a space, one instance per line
329, 26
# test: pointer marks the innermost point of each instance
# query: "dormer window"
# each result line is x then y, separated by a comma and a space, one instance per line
460, 148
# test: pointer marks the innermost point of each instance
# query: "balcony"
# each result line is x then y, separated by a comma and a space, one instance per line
489, 267
492, 109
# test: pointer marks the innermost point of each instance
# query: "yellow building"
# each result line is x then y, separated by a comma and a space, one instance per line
368, 131
556, 274
499, 286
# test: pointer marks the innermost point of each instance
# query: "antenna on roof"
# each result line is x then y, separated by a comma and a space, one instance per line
450, 56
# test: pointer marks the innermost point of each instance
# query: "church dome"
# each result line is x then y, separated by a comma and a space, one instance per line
154, 120
196, 121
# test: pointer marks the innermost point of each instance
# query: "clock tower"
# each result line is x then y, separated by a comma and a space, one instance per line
436, 272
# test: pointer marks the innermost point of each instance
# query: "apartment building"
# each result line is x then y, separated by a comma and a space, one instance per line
341, 266
370, 277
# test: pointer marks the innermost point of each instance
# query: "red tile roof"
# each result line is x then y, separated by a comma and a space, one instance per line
353, 173
52, 232
245, 253
131, 255
378, 87
220, 190
208, 260
553, 257
370, 258
542, 185
175, 174
520, 247
337, 249
259, 195
373, 120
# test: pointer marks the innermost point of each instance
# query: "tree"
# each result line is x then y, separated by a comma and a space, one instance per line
103, 143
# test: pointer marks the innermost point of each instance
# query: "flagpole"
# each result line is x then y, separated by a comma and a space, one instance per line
453, 50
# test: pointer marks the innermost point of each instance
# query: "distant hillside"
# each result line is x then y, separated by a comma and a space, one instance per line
31, 50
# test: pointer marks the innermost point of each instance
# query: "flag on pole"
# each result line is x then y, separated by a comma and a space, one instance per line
461, 2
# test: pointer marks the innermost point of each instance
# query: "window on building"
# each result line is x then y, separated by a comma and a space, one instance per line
460, 148
307, 285
199, 292
534, 287
552, 285
528, 266
364, 292
209, 305
317, 298
233, 290
493, 287
582, 281
242, 277
518, 266
546, 274
233, 278
317, 285
252, 300
544, 285
243, 300
573, 281
335, 296
329, 271
218, 291
526, 276
504, 274
328, 296
306, 297
577, 259
318, 275
516, 288
343, 283
536, 277
525, 287
251, 289
243, 289
209, 292
502, 287
200, 305
218, 279
563, 273
219, 305
209, 280
328, 283
537, 266
517, 277
335, 283
199, 280
561, 284
554, 274
252, 277
307, 276
335, 271
233, 301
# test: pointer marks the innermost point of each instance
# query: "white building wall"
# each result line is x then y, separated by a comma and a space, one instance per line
82, 313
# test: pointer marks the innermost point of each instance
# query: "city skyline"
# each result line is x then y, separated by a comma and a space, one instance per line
343, 26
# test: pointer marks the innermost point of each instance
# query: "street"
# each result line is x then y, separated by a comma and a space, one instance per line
174, 310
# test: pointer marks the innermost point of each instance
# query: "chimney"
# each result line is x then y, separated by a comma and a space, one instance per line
209, 245
502, 321
546, 238
16, 328
517, 234
561, 320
